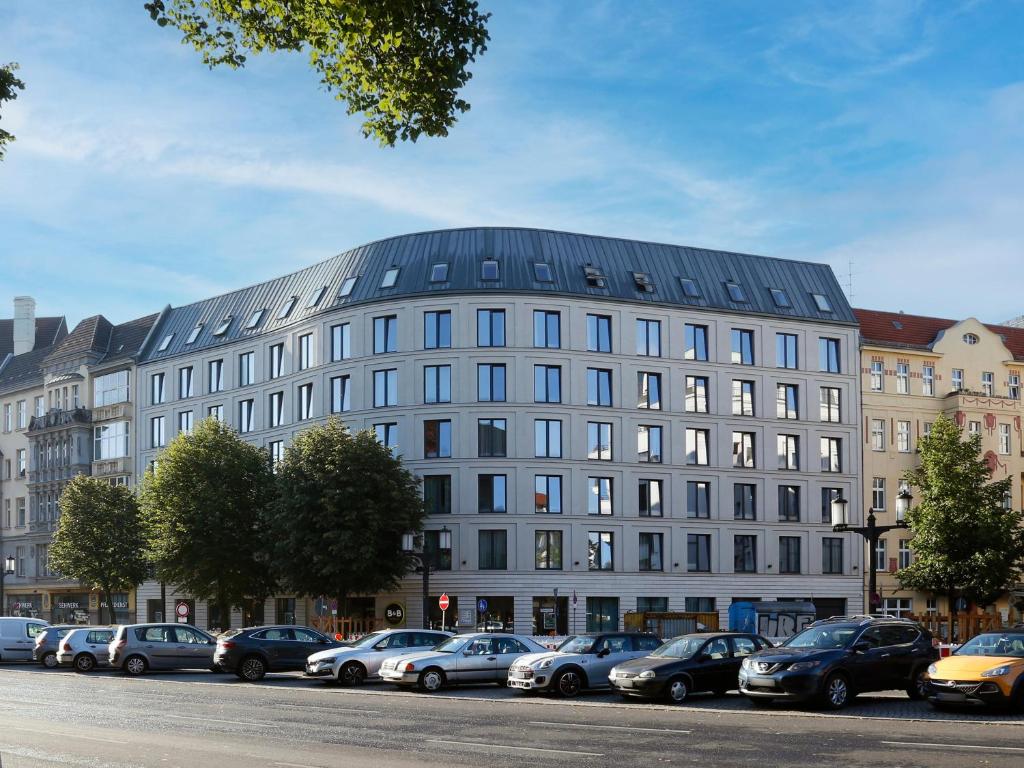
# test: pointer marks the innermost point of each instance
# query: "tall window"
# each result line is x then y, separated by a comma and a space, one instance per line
957, 379
831, 555
599, 333
1012, 387
185, 382
185, 422
878, 434
789, 452
599, 554
787, 401
276, 360
387, 435
216, 375
828, 495
216, 412
341, 342
108, 389
548, 549
246, 369
437, 494
828, 355
877, 376
903, 436
385, 334
696, 394
437, 439
881, 556
547, 438
1004, 439
744, 496
648, 338
276, 450
789, 554
547, 383
437, 330
742, 398
743, 450
599, 440
246, 416
742, 346
928, 380
903, 378
599, 387
385, 388
650, 551
905, 556
988, 383
305, 393
547, 493
490, 382
110, 441
829, 407
276, 409
648, 390
744, 559
649, 498
785, 350
491, 437
698, 552
158, 390
490, 327
698, 499
305, 351
491, 494
599, 498
697, 441
437, 384
789, 503
341, 394
831, 454
547, 329
648, 443
696, 342
493, 550
878, 493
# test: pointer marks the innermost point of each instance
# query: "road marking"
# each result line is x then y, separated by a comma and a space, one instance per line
607, 727
48, 732
509, 746
328, 708
215, 720
951, 746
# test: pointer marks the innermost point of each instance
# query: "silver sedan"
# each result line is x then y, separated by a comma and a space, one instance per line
480, 657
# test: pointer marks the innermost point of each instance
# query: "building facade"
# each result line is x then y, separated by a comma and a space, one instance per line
603, 425
913, 369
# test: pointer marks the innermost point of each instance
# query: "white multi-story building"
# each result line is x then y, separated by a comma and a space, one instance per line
622, 424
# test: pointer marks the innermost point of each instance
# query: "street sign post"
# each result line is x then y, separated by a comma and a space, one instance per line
481, 605
443, 603
181, 611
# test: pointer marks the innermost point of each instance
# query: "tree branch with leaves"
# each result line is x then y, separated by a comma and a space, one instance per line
9, 87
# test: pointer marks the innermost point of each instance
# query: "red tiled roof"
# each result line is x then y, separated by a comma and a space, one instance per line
899, 329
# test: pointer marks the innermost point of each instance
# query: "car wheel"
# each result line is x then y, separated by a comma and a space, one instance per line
677, 690
134, 665
836, 694
431, 680
567, 683
918, 688
84, 663
252, 669
1018, 701
352, 673
49, 660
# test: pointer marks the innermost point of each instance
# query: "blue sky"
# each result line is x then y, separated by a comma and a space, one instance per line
884, 134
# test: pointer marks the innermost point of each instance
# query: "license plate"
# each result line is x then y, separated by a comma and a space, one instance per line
757, 681
951, 697
624, 683
519, 684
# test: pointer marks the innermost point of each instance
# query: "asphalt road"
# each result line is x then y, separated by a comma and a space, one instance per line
59, 718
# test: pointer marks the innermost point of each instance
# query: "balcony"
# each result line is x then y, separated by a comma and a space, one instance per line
969, 400
117, 411
111, 467
60, 419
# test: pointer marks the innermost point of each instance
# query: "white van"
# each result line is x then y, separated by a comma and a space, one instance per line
18, 637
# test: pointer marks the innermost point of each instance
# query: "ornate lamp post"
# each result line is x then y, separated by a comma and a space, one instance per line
427, 561
8, 570
871, 533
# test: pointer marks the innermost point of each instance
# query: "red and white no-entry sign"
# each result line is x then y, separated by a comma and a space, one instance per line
181, 609
443, 602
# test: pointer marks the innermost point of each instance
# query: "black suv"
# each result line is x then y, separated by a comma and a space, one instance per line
833, 660
253, 651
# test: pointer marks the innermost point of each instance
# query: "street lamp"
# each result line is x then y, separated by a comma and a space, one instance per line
8, 570
426, 561
871, 532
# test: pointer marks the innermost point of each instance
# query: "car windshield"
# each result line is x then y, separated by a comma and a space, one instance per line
367, 640
578, 644
994, 644
679, 648
453, 644
822, 637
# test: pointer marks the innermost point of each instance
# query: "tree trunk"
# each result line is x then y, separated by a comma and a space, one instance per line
108, 595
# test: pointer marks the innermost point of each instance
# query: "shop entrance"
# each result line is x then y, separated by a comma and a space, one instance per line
495, 614
550, 615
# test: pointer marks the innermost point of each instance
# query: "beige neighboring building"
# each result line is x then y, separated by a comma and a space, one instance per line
913, 369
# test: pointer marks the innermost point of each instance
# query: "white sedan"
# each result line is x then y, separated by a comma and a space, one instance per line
356, 663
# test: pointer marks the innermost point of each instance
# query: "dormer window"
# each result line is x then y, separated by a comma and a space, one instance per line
165, 343
780, 298
897, 325
390, 278
643, 282
316, 298
346, 287
194, 334
221, 329
542, 272
439, 272
821, 302
689, 286
287, 308
254, 319
736, 292
489, 269
595, 277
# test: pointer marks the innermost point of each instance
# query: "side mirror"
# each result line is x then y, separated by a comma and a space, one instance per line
603, 652
860, 646
467, 653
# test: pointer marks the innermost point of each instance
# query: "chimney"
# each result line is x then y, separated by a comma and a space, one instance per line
24, 324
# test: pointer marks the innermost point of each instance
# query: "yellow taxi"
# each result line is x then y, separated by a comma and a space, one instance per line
987, 669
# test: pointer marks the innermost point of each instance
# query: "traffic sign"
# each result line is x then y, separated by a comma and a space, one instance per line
481, 605
182, 610
443, 602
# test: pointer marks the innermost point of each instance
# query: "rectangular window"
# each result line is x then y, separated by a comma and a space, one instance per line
305, 394
697, 442
599, 387
385, 388
789, 554
877, 376
276, 450
831, 555
305, 351
988, 383
651, 551
828, 495
491, 438
903, 378
743, 450
547, 494
110, 441
881, 556
40, 408
493, 550
437, 439
649, 498
648, 390
696, 342
785, 350
928, 380
599, 333
1012, 387
599, 441
157, 432
698, 552
491, 494
548, 549
1004, 439
599, 551
490, 383
439, 272
185, 382
216, 412
878, 434
547, 438
973, 428
696, 394
437, 384
547, 383
185, 421
744, 557
107, 389
903, 436
246, 369
547, 329
276, 409
437, 494
786, 401
789, 503
276, 360
648, 338
742, 398
744, 497
341, 342
22, 409
698, 499
489, 269
958, 379
742, 346
905, 556
602, 614
829, 405
215, 372
789, 452
648, 443
158, 390
828, 355
341, 394
246, 416
490, 327
878, 494
385, 334
437, 330
387, 435
390, 278
599, 498
831, 454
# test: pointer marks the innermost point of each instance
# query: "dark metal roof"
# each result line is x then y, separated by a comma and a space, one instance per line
23, 371
49, 330
516, 251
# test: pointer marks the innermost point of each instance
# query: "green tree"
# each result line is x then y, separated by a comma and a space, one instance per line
99, 539
204, 508
343, 503
9, 87
965, 542
401, 63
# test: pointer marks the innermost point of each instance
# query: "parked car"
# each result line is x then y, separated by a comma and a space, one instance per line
48, 643
137, 648
252, 652
360, 661
18, 637
581, 661
986, 670
85, 648
833, 660
702, 661
479, 657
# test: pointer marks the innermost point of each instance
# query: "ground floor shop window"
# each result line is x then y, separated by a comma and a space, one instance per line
652, 605
70, 608
897, 606
121, 615
550, 615
495, 614
253, 614
700, 604
26, 606
284, 610
602, 614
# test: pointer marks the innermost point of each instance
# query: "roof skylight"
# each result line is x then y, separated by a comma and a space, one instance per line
439, 272
316, 297
221, 329
194, 334
736, 292
643, 282
346, 286
287, 308
390, 278
254, 319
690, 289
780, 297
595, 277
165, 343
822, 302
489, 269
542, 272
